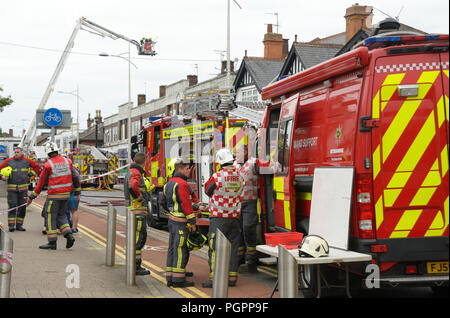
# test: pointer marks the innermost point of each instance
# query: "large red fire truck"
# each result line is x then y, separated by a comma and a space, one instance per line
383, 109
196, 139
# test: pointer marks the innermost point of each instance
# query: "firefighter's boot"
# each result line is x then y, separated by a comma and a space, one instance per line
19, 227
49, 246
140, 271
70, 240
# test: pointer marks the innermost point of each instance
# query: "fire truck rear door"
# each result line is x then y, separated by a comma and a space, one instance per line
410, 146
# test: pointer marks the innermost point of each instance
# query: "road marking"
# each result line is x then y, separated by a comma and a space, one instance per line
101, 240
160, 270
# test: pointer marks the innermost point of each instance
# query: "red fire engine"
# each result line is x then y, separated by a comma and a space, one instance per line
383, 109
196, 139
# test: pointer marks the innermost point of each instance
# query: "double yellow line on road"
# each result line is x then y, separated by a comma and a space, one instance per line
120, 251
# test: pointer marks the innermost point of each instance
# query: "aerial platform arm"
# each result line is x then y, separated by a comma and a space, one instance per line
144, 48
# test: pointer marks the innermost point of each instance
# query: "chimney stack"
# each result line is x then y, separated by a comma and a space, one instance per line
224, 67
98, 116
162, 90
357, 17
275, 47
141, 99
89, 121
192, 79
11, 133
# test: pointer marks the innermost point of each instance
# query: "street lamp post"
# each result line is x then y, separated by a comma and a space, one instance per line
129, 97
77, 95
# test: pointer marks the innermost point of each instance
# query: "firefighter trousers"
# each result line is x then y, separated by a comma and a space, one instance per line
16, 198
177, 253
248, 222
232, 231
55, 217
141, 236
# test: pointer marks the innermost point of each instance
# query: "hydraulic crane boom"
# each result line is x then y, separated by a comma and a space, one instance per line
83, 24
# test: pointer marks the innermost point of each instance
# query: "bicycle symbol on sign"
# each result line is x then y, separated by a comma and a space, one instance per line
53, 117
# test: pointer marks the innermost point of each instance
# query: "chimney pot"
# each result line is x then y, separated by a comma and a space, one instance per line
269, 28
141, 99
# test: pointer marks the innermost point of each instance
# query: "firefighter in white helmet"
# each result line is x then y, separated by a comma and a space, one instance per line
224, 189
60, 177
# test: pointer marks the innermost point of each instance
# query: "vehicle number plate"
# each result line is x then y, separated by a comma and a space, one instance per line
437, 267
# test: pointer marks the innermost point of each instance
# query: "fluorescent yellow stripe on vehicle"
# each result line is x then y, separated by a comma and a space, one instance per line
390, 196
419, 145
434, 230
406, 112
379, 212
392, 79
287, 215
408, 220
441, 111
278, 184
444, 160
376, 162
423, 196
376, 106
399, 179
433, 178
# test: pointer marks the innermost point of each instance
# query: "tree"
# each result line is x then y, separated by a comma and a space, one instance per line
4, 101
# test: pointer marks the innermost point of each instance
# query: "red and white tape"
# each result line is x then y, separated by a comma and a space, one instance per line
92, 178
6, 257
6, 211
105, 174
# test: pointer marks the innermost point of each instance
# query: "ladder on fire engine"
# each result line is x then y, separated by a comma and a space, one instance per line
252, 111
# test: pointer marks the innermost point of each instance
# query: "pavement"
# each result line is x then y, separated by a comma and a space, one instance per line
53, 274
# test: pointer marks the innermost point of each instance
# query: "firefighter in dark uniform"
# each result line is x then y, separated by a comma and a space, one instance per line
60, 177
249, 213
137, 198
177, 199
224, 189
18, 182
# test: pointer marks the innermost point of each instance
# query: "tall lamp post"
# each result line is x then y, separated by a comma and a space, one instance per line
129, 97
77, 95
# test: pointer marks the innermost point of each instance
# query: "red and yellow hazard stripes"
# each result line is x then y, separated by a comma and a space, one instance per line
410, 150
113, 164
283, 202
234, 134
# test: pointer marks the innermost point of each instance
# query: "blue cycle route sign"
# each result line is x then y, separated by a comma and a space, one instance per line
53, 117
2, 149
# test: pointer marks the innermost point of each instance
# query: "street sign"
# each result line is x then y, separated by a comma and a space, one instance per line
66, 122
2, 149
53, 117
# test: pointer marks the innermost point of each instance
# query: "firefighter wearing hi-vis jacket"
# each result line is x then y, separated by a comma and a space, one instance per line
61, 179
178, 201
16, 171
136, 191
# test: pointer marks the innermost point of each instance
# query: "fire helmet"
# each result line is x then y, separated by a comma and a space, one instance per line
50, 147
171, 167
313, 246
195, 240
224, 156
6, 172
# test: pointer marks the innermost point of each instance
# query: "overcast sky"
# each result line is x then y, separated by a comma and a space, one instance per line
189, 33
